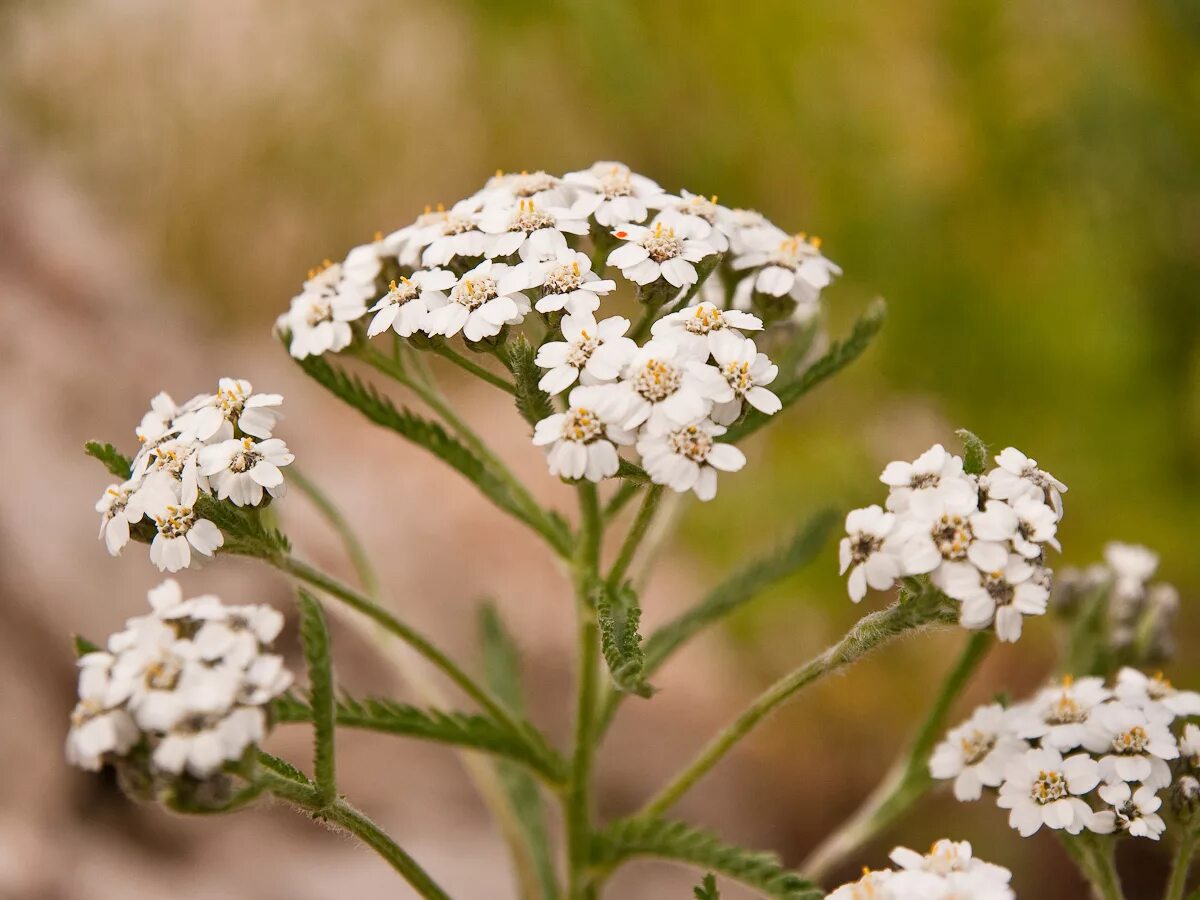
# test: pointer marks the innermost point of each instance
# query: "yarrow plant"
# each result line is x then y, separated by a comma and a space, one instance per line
642, 336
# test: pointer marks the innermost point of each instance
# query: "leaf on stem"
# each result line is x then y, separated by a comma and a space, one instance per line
315, 637
632, 472
83, 646
975, 452
707, 889
282, 767
680, 841
618, 615
117, 464
243, 528
533, 403
743, 586
839, 355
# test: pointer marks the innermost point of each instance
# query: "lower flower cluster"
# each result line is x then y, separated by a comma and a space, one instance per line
184, 689
948, 871
1080, 755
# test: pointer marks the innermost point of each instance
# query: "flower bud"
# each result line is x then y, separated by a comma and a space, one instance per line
1185, 797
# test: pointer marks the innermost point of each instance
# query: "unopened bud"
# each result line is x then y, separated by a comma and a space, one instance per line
1185, 797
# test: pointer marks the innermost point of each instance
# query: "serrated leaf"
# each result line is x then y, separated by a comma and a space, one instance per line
533, 403
618, 614
242, 528
424, 433
315, 637
282, 767
839, 355
632, 472
679, 841
707, 889
83, 646
975, 452
119, 465
741, 587
460, 729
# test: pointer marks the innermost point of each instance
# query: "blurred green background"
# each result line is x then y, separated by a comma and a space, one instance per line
1020, 180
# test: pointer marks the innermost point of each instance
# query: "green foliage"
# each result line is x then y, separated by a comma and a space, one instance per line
502, 672
424, 433
707, 890
243, 529
282, 767
741, 587
632, 472
118, 465
461, 729
679, 841
533, 403
839, 355
618, 615
975, 452
83, 646
315, 636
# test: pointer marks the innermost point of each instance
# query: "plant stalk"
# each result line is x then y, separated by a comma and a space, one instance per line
1181, 866
637, 531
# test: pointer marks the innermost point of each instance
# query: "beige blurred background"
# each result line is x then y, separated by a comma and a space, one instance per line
1019, 179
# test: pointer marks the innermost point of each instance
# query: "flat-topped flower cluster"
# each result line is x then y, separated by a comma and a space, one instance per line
183, 689
1079, 754
218, 444
948, 871
981, 539
510, 255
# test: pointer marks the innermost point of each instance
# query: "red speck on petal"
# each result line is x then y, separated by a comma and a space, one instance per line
622, 234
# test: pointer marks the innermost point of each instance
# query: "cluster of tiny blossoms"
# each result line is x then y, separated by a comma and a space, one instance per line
980, 539
947, 872
1081, 755
510, 255
218, 444
183, 689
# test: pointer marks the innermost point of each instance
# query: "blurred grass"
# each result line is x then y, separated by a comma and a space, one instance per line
1021, 180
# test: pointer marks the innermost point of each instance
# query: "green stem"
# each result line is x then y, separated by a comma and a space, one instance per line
1183, 862
344, 816
448, 352
908, 779
620, 497
578, 796
354, 547
905, 615
409, 635
637, 531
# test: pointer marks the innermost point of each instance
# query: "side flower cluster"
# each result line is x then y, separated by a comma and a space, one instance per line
182, 690
980, 539
1079, 755
218, 444
948, 871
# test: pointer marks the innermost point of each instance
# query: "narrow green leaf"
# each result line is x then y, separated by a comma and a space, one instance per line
83, 646
533, 403
460, 729
839, 355
243, 529
632, 472
118, 465
743, 586
975, 452
707, 890
315, 636
282, 767
665, 839
619, 615
502, 672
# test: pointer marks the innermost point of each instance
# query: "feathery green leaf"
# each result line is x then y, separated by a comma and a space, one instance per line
618, 615
461, 729
632, 472
243, 528
975, 452
679, 841
532, 402
707, 889
118, 465
315, 636
839, 355
282, 767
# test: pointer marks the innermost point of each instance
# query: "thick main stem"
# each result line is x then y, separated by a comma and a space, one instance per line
1183, 862
868, 633
907, 780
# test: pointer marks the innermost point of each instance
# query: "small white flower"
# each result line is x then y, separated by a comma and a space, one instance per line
748, 372
481, 303
97, 729
533, 232
688, 457
593, 352
180, 531
789, 265
1137, 745
976, 752
233, 405
1025, 524
1018, 474
581, 442
1042, 788
1135, 812
868, 551
567, 282
159, 421
363, 263
697, 326
706, 210
950, 858
1138, 689
936, 528
925, 473
120, 506
1059, 716
507, 188
662, 250
745, 228
617, 194
405, 307
320, 315
997, 587
1189, 745
1132, 566
200, 743
239, 470
874, 885
453, 234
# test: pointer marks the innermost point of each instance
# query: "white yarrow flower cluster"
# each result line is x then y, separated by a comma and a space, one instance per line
189, 682
949, 871
980, 539
219, 444
1077, 755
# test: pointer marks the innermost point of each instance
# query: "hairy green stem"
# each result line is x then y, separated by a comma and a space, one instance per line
908, 780
448, 352
637, 531
350, 541
905, 615
1182, 864
620, 497
344, 816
